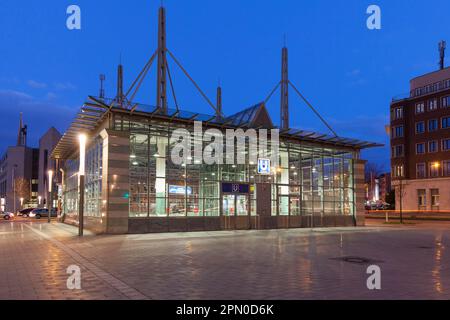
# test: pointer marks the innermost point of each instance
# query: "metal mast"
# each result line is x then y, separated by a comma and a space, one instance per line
120, 96
284, 108
442, 47
161, 90
102, 90
219, 102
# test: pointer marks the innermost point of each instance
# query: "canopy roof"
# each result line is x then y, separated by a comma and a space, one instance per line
94, 112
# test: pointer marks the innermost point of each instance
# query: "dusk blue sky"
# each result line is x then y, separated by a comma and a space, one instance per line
347, 71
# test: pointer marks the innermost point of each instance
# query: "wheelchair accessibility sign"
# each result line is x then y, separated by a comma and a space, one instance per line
264, 166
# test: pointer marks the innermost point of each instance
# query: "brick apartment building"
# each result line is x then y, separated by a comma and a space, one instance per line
420, 143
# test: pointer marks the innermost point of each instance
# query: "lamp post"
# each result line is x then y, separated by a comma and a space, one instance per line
81, 173
21, 203
39, 200
50, 194
14, 187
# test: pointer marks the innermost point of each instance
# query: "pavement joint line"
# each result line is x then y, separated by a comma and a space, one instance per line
119, 285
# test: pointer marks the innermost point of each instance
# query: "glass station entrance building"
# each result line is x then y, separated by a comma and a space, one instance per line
132, 185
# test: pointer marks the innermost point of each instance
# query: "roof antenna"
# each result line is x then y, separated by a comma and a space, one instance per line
22, 135
442, 47
102, 90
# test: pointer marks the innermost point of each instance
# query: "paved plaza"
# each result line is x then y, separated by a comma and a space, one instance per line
279, 264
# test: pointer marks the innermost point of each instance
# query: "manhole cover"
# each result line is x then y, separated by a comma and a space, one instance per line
356, 260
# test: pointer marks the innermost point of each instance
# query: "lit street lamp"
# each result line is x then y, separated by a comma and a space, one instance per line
21, 203
39, 200
81, 174
50, 194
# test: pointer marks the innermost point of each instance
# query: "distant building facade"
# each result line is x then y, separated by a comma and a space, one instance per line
22, 181
420, 144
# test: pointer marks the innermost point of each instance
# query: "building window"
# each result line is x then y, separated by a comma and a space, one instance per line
446, 102
445, 122
398, 171
398, 151
446, 145
432, 104
397, 113
397, 132
433, 125
420, 127
420, 107
420, 171
434, 169
420, 148
434, 198
433, 146
422, 198
446, 167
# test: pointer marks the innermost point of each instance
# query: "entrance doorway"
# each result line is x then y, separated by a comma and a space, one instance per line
235, 205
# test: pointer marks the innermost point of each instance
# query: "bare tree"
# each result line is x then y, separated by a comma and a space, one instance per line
373, 170
23, 188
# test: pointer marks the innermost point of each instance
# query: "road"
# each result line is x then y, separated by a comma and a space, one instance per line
278, 264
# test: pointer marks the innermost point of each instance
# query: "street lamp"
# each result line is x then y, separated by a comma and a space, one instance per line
21, 203
50, 194
81, 173
39, 200
14, 186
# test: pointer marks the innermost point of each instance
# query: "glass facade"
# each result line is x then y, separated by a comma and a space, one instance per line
93, 183
308, 180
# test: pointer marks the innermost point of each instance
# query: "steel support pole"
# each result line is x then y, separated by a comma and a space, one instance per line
50, 205
81, 207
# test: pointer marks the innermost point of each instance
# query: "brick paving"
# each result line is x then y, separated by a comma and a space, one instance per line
278, 264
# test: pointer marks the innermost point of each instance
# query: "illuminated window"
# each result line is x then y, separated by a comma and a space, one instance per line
420, 107
422, 198
446, 102
432, 104
434, 168
434, 197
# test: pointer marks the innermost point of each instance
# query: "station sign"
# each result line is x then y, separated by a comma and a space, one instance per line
264, 166
235, 188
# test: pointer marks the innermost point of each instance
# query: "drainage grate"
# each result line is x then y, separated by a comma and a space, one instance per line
356, 260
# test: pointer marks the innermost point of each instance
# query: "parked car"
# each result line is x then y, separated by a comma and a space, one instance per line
41, 213
370, 205
6, 215
25, 212
383, 206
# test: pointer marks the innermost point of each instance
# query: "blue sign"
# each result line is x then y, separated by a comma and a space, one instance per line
235, 188
264, 166
180, 190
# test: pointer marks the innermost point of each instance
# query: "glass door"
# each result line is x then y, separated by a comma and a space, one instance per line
242, 205
229, 204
